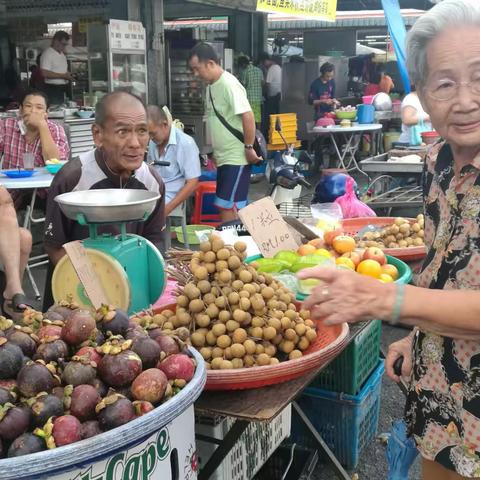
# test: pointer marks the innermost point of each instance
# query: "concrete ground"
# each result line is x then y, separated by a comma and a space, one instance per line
372, 465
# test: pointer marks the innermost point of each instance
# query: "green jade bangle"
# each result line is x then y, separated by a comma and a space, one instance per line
397, 306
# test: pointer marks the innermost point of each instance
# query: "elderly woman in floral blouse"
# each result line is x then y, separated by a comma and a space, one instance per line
442, 354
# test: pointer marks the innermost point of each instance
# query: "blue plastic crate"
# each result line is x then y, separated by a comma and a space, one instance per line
208, 176
347, 423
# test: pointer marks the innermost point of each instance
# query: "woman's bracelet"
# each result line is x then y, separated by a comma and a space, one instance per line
397, 305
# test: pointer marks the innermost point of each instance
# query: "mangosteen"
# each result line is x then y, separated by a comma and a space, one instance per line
6, 325
24, 338
49, 330
53, 316
148, 350
150, 386
125, 391
51, 349
119, 365
168, 345
13, 421
100, 387
113, 320
90, 429
7, 396
79, 370
9, 384
36, 377
142, 407
135, 332
45, 406
154, 331
114, 411
78, 327
64, 309
61, 431
11, 357
25, 444
58, 392
84, 399
90, 353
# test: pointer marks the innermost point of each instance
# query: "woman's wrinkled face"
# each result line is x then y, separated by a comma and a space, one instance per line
451, 94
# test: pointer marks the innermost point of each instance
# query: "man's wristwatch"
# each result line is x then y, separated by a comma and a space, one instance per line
249, 147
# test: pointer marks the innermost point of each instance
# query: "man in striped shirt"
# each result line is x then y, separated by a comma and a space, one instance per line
251, 77
31, 132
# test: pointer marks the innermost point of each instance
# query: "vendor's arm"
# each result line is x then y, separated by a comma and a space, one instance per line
187, 190
51, 138
410, 116
347, 297
249, 127
54, 75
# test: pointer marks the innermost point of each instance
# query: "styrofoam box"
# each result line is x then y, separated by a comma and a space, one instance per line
252, 449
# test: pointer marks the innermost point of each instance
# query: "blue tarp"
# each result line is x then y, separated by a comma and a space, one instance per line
398, 33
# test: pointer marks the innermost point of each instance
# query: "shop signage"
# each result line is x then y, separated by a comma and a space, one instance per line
267, 227
168, 454
318, 9
125, 35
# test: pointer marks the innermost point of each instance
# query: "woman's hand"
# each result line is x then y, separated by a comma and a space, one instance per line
402, 348
346, 296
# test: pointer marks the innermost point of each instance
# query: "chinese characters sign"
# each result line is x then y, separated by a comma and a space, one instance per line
267, 227
318, 9
125, 35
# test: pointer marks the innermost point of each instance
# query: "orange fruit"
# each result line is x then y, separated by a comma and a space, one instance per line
354, 256
370, 268
344, 244
306, 250
385, 278
345, 262
328, 237
317, 242
390, 270
323, 251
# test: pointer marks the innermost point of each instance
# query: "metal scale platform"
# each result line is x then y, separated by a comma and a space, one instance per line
130, 268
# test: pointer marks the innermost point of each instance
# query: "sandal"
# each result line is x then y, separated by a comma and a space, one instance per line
15, 307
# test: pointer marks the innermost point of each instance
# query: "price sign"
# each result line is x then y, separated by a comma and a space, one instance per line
267, 227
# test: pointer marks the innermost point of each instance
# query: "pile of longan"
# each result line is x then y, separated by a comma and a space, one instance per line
238, 317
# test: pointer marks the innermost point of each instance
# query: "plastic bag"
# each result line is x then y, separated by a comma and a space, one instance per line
351, 206
326, 217
416, 133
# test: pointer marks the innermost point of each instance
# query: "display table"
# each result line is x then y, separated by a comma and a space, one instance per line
262, 405
40, 179
350, 137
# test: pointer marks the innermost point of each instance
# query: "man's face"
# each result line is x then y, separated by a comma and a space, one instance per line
328, 76
33, 104
124, 136
159, 132
60, 45
200, 69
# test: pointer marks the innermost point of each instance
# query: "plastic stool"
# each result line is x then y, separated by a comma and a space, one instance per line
205, 212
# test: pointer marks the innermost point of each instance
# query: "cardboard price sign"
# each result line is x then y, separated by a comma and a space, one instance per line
86, 274
267, 227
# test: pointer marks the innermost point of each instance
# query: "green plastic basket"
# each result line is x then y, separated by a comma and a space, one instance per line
191, 236
349, 371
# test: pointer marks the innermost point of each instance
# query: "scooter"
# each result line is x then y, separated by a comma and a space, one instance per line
283, 173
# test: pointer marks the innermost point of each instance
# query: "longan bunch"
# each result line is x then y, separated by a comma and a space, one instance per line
400, 234
239, 318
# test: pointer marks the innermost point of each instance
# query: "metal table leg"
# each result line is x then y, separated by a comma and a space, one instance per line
223, 449
339, 471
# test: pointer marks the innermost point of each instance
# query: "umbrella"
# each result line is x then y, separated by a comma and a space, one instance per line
401, 452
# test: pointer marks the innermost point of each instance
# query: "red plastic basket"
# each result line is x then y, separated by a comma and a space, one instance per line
329, 343
411, 254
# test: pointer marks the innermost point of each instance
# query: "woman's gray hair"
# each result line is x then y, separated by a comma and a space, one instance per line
447, 14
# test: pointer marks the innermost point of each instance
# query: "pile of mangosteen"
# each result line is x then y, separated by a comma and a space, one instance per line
68, 375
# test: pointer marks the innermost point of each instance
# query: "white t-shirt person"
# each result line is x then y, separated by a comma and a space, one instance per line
412, 100
274, 80
54, 62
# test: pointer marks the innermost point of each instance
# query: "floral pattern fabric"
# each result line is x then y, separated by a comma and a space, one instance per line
443, 405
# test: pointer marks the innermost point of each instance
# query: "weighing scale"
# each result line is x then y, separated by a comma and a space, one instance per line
129, 267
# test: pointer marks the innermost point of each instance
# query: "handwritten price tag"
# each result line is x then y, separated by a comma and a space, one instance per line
267, 227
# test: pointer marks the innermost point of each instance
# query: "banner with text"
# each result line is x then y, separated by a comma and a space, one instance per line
318, 9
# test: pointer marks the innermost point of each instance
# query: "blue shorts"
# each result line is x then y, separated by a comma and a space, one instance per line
233, 182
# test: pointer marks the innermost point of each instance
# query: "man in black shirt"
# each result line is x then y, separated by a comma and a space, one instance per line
121, 136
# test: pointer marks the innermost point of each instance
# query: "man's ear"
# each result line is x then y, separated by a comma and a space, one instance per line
97, 134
